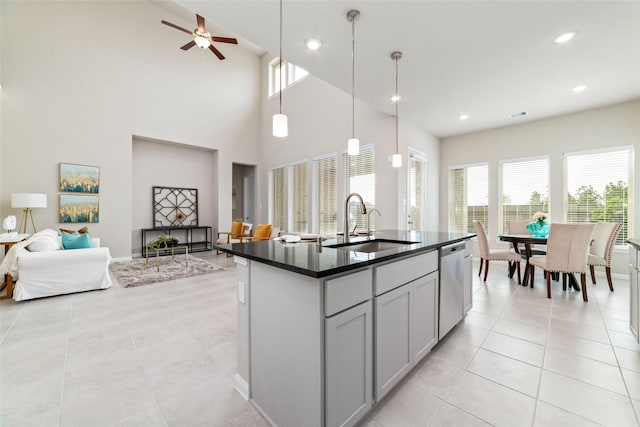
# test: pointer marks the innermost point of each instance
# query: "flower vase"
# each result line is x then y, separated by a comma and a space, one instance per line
538, 228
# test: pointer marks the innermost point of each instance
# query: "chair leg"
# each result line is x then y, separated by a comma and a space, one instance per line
608, 271
593, 274
518, 267
583, 279
564, 281
548, 284
533, 269
486, 269
480, 271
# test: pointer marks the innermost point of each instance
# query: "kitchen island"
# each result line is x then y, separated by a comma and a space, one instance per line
326, 331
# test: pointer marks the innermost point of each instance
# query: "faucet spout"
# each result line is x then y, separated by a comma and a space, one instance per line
345, 228
369, 218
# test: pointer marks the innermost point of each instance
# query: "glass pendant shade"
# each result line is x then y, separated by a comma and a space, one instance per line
353, 146
396, 160
202, 42
280, 125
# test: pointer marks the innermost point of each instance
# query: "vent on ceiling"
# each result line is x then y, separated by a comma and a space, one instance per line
519, 114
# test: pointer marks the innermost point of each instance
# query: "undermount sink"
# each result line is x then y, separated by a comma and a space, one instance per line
370, 246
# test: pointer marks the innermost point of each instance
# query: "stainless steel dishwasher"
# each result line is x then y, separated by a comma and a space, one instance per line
451, 287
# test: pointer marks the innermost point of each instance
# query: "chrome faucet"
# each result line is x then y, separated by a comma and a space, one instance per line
369, 218
345, 228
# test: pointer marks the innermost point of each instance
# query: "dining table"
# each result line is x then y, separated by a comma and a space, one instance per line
527, 240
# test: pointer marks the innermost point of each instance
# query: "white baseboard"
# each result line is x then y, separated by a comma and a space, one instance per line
241, 386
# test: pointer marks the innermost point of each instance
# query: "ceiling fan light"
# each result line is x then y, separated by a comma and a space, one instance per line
202, 42
396, 160
280, 125
353, 146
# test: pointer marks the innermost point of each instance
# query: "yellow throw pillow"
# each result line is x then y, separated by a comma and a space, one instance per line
236, 229
263, 232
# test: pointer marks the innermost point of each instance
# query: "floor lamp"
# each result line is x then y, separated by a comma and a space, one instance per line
26, 202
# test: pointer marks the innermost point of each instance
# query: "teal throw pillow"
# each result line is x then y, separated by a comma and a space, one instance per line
76, 241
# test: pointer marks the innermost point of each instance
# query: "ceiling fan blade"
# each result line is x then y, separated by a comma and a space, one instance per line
217, 52
188, 45
176, 27
224, 39
200, 20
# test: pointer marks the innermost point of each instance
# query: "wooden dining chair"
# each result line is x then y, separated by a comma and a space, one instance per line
604, 240
567, 252
487, 254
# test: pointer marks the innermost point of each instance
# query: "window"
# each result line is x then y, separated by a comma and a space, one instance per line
525, 189
325, 198
597, 188
468, 197
292, 73
417, 191
277, 198
361, 178
299, 202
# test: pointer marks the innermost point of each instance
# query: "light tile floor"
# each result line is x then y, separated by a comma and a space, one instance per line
164, 355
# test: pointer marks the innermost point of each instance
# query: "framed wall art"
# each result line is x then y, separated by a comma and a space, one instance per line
79, 178
175, 207
79, 208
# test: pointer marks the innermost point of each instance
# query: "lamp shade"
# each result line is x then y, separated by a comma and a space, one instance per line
280, 126
396, 160
28, 200
353, 146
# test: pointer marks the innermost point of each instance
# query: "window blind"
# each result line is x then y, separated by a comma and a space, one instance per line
361, 178
325, 194
468, 197
278, 195
525, 189
597, 186
417, 192
299, 198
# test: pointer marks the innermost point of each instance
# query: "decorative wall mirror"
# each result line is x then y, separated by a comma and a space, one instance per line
175, 207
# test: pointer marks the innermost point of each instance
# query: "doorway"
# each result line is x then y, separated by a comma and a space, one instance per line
243, 194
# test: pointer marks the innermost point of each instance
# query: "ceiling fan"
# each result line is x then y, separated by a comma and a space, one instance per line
202, 38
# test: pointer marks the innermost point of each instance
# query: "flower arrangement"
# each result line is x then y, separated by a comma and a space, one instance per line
540, 216
539, 227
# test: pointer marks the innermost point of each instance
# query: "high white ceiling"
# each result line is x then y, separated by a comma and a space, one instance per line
487, 59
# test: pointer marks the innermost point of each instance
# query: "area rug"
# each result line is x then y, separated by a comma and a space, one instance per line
137, 272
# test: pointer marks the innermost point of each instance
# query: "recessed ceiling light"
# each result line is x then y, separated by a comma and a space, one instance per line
313, 44
464, 117
579, 88
395, 98
563, 38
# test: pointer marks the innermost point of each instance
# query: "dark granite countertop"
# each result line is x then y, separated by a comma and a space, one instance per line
317, 261
634, 243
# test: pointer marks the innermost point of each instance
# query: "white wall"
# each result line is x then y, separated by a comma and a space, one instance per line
613, 126
79, 79
320, 122
163, 164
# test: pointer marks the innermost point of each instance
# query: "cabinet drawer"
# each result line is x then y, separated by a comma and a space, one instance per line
346, 291
397, 273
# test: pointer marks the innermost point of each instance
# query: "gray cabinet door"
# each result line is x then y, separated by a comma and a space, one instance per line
393, 338
634, 296
468, 283
348, 353
424, 315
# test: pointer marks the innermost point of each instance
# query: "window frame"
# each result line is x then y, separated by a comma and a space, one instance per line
291, 193
451, 223
347, 184
315, 183
288, 79
272, 204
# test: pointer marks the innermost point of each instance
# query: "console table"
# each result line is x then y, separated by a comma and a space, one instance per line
195, 238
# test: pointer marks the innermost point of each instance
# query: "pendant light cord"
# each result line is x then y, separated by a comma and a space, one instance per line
397, 102
353, 76
281, 61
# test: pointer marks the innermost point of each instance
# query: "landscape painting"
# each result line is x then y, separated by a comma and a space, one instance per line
77, 208
79, 178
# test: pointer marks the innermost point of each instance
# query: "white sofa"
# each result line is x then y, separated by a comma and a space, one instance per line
61, 271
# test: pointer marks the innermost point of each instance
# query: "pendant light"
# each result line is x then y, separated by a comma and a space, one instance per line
396, 159
353, 144
280, 123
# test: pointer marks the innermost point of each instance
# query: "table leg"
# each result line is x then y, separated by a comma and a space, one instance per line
186, 255
9, 283
158, 259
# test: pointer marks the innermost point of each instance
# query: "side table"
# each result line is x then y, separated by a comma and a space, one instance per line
169, 248
7, 242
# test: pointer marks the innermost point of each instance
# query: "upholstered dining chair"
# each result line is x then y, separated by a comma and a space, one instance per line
487, 254
567, 252
604, 240
520, 227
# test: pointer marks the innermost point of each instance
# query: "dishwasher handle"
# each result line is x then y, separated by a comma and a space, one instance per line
451, 249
